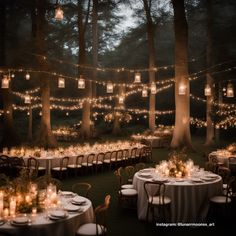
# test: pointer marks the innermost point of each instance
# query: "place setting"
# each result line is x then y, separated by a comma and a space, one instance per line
21, 221
58, 214
78, 201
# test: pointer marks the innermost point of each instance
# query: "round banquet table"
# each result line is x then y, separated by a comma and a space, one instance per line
222, 157
189, 199
41, 225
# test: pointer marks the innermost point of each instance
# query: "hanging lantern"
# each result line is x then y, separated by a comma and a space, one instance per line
182, 89
81, 82
27, 99
121, 99
153, 88
59, 13
230, 90
144, 92
5, 82
109, 87
27, 76
61, 83
207, 90
137, 77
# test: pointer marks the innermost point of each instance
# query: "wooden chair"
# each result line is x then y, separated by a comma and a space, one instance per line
225, 173
127, 197
133, 155
81, 189
77, 166
16, 164
157, 200
4, 164
124, 179
34, 168
98, 161
99, 227
62, 169
107, 159
87, 162
125, 156
130, 171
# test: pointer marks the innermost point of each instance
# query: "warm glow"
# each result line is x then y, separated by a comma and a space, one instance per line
27, 76
144, 92
27, 99
121, 99
182, 89
81, 83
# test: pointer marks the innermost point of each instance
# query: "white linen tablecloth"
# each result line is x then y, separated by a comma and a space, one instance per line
42, 226
189, 201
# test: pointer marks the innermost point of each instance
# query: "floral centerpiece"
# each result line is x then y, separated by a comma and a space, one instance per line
176, 166
232, 148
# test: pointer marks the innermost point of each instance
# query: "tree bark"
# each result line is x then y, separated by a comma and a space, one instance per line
210, 137
46, 138
85, 131
151, 53
181, 134
10, 137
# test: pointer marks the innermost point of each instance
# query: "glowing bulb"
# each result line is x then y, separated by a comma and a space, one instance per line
27, 99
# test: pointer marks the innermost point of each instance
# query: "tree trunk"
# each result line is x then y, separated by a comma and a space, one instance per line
181, 134
95, 43
210, 137
10, 137
85, 131
46, 138
151, 53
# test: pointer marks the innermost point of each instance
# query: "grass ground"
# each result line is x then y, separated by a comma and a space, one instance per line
125, 222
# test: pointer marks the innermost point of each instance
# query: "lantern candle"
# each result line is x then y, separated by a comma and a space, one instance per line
144, 92
207, 90
61, 83
5, 82
34, 211
182, 89
230, 90
109, 87
121, 100
153, 88
137, 78
27, 99
81, 83
27, 76
59, 13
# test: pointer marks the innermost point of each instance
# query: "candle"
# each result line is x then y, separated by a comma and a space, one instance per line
12, 206
27, 198
1, 203
34, 211
5, 212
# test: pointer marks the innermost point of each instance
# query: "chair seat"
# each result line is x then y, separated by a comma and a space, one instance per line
157, 201
41, 168
91, 229
107, 161
128, 192
224, 186
113, 159
125, 186
74, 166
97, 163
59, 168
86, 164
220, 199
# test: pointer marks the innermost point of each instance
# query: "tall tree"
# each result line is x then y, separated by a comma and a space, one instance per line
210, 136
10, 137
151, 53
181, 134
46, 137
85, 131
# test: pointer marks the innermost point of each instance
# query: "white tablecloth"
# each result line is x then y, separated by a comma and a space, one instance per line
222, 157
189, 201
42, 226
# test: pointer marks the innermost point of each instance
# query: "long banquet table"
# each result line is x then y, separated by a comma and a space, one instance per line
42, 225
189, 197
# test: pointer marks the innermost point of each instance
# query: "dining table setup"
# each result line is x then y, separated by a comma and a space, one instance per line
188, 186
42, 212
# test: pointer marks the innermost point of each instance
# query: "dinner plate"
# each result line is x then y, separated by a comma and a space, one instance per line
78, 200
205, 178
213, 176
164, 180
72, 208
145, 175
21, 220
67, 193
179, 180
196, 180
60, 214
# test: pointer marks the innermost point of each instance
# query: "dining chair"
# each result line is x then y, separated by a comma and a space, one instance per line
125, 156
77, 165
82, 189
16, 164
130, 171
232, 165
87, 162
156, 199
124, 179
133, 155
225, 173
220, 205
98, 161
62, 169
99, 226
127, 197
107, 159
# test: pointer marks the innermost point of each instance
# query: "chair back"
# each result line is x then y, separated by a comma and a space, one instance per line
100, 157
90, 158
101, 216
130, 171
133, 152
79, 160
155, 189
82, 189
114, 155
224, 172
64, 162
120, 154
125, 154
107, 156
32, 163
